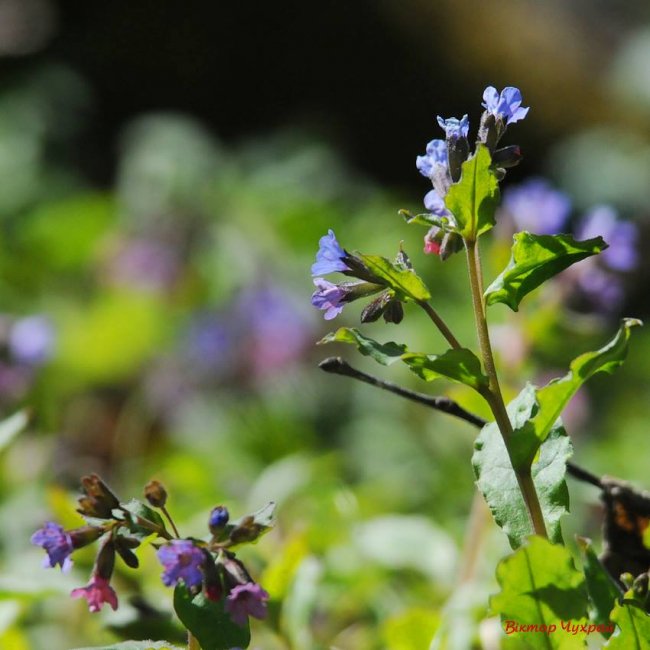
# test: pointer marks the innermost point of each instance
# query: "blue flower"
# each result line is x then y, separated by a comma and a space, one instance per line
218, 517
328, 297
535, 206
454, 128
182, 561
506, 106
436, 155
57, 543
329, 258
622, 254
31, 340
434, 203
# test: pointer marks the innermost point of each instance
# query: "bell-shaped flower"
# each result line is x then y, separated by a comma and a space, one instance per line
506, 105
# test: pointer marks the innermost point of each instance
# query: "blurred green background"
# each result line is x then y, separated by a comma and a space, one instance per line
166, 170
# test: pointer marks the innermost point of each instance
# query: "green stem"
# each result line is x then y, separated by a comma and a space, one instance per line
440, 324
192, 642
493, 394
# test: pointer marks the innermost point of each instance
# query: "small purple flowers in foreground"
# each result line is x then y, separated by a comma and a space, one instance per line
328, 296
182, 561
506, 106
330, 255
97, 592
246, 600
57, 543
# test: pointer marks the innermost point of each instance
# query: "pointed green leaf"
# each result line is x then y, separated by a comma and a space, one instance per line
405, 283
553, 397
208, 621
384, 353
603, 591
634, 628
139, 511
498, 483
460, 365
540, 586
474, 199
535, 259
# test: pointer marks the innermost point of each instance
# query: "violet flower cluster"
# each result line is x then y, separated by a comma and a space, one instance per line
209, 566
443, 159
536, 206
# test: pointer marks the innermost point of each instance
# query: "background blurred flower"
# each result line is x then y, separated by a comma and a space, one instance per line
31, 340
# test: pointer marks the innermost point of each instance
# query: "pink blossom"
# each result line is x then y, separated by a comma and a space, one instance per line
246, 600
97, 592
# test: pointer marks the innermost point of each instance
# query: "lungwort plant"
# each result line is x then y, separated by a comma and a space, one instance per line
521, 457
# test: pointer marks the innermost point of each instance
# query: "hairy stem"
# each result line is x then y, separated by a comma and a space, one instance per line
493, 394
440, 324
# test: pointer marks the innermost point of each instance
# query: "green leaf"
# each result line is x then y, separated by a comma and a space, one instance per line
426, 219
498, 483
139, 510
460, 365
136, 645
11, 427
405, 283
535, 259
209, 622
553, 397
474, 199
384, 353
634, 632
540, 586
603, 591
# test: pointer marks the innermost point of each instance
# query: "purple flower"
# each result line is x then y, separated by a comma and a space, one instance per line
435, 204
506, 106
329, 258
246, 600
604, 290
31, 340
182, 561
97, 592
537, 207
57, 543
622, 254
436, 154
454, 128
328, 297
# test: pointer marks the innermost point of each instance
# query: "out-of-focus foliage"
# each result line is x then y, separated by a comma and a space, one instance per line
161, 327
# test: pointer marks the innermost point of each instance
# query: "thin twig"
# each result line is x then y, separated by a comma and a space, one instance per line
337, 366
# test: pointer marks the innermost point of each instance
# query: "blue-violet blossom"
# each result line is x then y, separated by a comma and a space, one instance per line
436, 154
182, 561
621, 236
535, 206
328, 296
329, 258
57, 543
454, 128
434, 203
506, 106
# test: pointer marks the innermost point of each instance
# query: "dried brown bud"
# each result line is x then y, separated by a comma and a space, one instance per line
155, 494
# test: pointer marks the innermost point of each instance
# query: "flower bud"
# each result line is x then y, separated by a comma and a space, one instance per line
105, 562
507, 157
490, 130
123, 546
219, 517
99, 500
155, 494
212, 577
394, 312
373, 310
